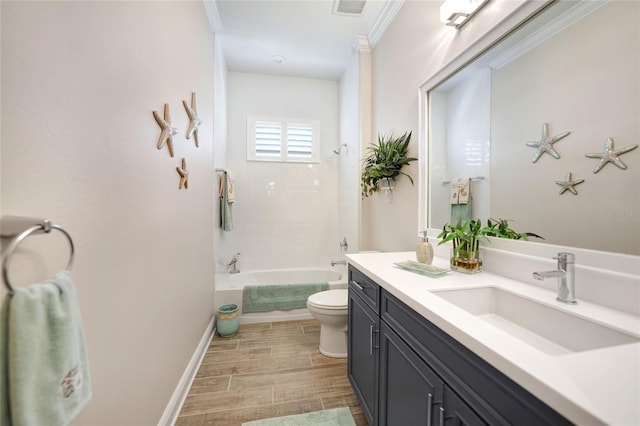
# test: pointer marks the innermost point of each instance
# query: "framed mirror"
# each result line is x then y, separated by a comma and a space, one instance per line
526, 118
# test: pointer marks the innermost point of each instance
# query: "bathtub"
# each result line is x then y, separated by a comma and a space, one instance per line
229, 289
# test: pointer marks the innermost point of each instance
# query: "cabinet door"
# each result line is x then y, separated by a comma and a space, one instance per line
454, 412
410, 391
363, 355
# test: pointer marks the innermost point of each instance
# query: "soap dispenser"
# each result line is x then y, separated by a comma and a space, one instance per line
424, 253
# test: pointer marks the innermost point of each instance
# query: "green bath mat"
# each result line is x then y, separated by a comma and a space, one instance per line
335, 417
280, 297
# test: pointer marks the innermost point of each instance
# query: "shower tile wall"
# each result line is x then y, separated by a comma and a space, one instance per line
286, 214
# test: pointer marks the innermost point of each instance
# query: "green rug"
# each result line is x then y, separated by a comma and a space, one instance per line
335, 417
278, 297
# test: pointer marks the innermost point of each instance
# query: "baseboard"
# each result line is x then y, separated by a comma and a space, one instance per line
172, 411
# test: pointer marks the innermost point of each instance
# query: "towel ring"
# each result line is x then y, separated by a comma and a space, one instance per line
46, 226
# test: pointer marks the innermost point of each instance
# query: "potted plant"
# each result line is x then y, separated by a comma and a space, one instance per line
384, 162
465, 237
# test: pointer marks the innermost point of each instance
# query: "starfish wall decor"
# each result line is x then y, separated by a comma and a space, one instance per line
194, 120
545, 144
184, 175
166, 137
610, 155
568, 184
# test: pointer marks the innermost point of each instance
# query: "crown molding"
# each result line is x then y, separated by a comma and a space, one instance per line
211, 9
362, 43
563, 21
388, 13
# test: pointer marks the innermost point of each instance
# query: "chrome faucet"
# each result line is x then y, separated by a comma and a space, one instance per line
234, 264
566, 277
338, 262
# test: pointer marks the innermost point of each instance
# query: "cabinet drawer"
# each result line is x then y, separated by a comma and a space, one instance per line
365, 288
491, 394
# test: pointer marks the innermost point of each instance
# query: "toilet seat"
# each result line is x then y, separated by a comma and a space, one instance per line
330, 299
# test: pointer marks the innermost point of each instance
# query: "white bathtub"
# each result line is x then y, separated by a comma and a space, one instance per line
229, 289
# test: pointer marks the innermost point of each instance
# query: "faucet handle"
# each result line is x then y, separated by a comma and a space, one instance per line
565, 257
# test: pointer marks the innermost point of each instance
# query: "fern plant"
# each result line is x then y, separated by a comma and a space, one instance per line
385, 160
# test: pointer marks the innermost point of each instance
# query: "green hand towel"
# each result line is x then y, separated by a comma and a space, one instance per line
226, 207
45, 375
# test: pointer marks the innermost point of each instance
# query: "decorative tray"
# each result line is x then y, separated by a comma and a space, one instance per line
421, 268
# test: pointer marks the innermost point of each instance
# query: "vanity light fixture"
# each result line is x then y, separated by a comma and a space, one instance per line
456, 13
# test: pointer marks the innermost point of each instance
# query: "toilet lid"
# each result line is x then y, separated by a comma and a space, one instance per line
330, 299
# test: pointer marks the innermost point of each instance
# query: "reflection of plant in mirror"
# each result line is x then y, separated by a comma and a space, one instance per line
500, 228
385, 160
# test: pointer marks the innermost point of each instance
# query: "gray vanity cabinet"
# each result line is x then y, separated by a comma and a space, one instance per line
406, 371
363, 328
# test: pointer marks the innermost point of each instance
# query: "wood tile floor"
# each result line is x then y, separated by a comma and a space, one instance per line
267, 370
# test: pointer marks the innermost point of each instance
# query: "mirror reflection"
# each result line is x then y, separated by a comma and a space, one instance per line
520, 120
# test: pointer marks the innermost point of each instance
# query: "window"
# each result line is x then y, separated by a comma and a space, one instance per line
273, 139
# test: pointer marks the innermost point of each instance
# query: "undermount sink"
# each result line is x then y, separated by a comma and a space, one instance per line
548, 329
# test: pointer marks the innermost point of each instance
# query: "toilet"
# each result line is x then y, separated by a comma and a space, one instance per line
331, 308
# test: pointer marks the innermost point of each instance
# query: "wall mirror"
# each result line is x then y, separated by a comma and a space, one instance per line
573, 67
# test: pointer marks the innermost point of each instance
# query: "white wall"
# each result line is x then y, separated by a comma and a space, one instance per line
79, 83
219, 153
285, 215
414, 47
355, 124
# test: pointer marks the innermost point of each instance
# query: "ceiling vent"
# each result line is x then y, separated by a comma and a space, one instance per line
348, 7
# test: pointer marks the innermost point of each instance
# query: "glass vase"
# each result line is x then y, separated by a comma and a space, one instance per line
466, 261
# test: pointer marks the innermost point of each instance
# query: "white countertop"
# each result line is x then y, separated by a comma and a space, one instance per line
600, 386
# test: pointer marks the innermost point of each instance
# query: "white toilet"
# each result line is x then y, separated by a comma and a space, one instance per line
331, 308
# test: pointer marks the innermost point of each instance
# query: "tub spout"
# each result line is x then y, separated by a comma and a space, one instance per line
234, 264
338, 262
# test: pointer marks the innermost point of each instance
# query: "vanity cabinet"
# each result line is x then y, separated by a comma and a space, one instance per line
406, 371
363, 327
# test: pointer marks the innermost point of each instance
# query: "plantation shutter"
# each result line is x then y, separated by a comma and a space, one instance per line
300, 141
268, 139
275, 139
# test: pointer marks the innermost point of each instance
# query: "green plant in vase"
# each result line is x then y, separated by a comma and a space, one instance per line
384, 162
465, 237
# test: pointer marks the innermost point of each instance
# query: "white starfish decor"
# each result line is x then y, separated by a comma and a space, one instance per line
568, 184
184, 175
194, 121
166, 137
610, 155
545, 144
